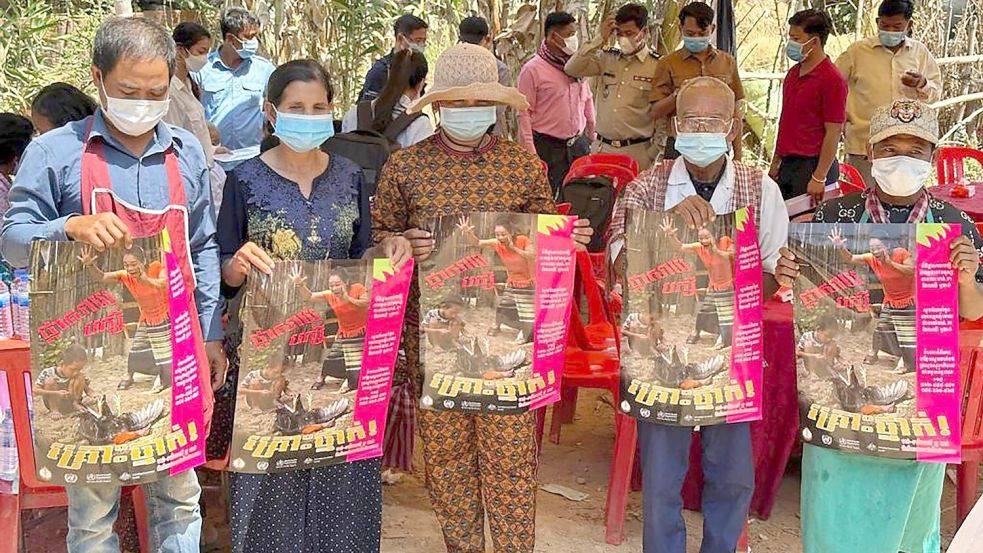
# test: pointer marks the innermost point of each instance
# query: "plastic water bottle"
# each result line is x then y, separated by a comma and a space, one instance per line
6, 313
21, 300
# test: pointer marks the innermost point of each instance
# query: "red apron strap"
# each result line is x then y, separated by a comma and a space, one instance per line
95, 171
175, 184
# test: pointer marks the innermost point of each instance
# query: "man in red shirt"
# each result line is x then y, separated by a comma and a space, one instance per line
813, 111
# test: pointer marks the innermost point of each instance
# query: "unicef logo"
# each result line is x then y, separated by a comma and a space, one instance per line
44, 474
427, 401
262, 465
71, 478
827, 439
125, 476
645, 413
625, 407
491, 407
807, 434
448, 404
238, 463
308, 461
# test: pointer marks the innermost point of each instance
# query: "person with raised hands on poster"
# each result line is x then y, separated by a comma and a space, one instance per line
111, 177
474, 463
843, 493
296, 202
700, 184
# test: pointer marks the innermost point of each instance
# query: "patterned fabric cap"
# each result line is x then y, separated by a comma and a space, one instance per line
905, 117
468, 72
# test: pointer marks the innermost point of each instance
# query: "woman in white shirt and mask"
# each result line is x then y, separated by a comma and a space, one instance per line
407, 76
185, 111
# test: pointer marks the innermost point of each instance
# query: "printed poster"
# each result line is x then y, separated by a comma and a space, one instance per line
876, 314
316, 363
692, 331
494, 305
115, 383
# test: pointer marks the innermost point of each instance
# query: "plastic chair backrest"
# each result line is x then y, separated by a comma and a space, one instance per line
621, 160
950, 162
18, 375
851, 180
620, 176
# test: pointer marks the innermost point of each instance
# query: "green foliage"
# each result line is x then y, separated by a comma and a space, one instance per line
40, 45
50, 355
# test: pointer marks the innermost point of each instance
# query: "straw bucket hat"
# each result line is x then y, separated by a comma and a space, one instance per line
468, 72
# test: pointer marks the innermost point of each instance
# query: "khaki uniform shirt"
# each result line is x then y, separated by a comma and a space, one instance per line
873, 74
624, 106
682, 65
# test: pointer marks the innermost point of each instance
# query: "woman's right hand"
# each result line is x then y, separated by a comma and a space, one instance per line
250, 255
421, 241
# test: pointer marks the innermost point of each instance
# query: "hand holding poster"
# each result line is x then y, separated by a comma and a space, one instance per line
319, 345
114, 369
692, 350
876, 312
494, 305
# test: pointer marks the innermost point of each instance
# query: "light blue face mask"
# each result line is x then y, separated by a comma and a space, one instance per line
701, 148
303, 133
249, 48
467, 124
696, 44
891, 39
794, 51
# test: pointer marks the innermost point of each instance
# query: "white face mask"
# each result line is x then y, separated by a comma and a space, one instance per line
196, 63
467, 124
571, 45
134, 117
900, 176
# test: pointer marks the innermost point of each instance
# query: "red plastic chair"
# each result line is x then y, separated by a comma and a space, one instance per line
971, 369
15, 364
950, 164
622, 160
850, 180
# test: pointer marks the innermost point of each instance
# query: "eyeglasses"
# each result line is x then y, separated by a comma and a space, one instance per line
703, 124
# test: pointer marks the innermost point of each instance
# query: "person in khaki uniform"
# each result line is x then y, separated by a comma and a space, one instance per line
625, 121
697, 58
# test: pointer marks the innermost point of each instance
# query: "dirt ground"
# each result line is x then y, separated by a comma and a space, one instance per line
581, 462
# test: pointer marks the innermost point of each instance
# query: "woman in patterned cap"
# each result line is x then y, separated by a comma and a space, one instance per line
474, 463
851, 502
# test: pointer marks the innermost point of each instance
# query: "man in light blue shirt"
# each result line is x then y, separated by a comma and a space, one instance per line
133, 60
233, 84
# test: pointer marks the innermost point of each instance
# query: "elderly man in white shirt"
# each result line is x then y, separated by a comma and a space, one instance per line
701, 183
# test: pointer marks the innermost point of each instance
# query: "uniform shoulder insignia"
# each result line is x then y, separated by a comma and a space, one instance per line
612, 51
654, 54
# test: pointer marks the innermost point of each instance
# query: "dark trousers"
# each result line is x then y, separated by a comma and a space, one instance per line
559, 155
728, 473
796, 172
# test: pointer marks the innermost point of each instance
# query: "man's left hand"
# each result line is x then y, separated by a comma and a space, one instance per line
582, 233
218, 364
965, 259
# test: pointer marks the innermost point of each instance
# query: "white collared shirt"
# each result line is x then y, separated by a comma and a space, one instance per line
640, 194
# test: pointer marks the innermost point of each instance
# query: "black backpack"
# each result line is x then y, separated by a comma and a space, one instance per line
591, 198
366, 147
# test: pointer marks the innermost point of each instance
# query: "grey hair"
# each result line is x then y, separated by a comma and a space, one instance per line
234, 20
698, 83
132, 37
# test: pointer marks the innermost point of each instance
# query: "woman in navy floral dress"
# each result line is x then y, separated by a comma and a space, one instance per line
296, 202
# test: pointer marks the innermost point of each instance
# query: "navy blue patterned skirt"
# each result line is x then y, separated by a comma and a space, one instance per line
335, 509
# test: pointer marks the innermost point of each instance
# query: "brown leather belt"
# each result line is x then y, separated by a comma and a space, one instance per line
623, 143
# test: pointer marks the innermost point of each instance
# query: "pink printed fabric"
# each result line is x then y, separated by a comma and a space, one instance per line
746, 354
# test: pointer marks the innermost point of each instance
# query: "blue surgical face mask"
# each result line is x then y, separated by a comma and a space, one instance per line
701, 148
696, 44
794, 50
891, 39
249, 47
467, 124
303, 133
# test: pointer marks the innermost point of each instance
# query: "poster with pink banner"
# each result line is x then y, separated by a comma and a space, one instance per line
494, 312
876, 314
115, 382
692, 330
319, 346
